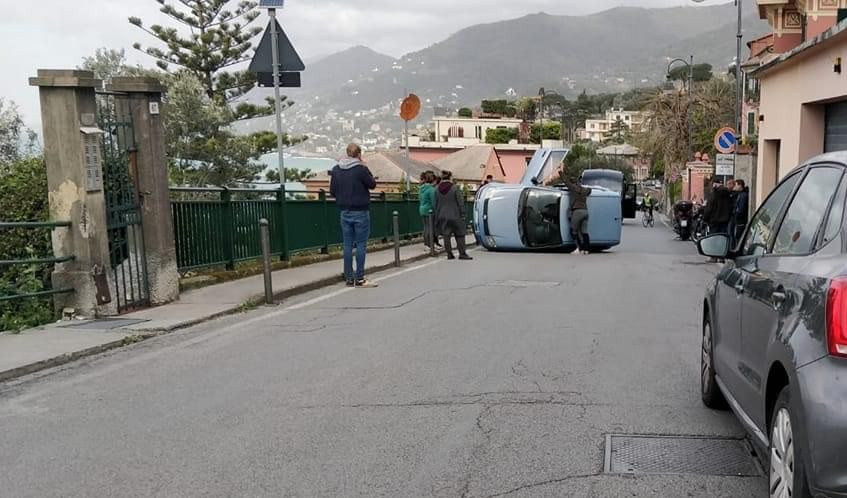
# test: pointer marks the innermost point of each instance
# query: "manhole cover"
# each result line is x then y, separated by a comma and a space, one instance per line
524, 283
105, 324
635, 454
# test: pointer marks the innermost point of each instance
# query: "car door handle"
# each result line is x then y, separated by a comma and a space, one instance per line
739, 288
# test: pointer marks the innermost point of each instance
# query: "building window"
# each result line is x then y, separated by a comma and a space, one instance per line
456, 132
478, 132
751, 123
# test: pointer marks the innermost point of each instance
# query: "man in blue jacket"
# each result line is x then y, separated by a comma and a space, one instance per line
350, 183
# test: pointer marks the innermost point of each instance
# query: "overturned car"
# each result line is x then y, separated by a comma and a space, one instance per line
535, 213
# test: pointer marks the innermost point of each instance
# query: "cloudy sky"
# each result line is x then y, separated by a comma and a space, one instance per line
58, 33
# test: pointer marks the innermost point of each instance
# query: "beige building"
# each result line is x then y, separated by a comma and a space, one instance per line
468, 131
597, 130
803, 103
630, 155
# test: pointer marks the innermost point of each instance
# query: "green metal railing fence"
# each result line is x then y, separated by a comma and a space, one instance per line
35, 225
219, 227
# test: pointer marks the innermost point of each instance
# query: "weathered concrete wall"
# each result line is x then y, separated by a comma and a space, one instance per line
144, 96
67, 105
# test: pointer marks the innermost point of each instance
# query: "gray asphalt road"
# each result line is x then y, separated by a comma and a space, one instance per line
497, 377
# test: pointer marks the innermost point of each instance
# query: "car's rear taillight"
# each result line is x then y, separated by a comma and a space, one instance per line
836, 317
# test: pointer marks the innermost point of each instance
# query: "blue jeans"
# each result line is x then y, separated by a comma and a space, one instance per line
355, 229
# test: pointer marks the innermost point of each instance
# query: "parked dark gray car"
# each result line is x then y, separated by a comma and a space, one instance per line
775, 330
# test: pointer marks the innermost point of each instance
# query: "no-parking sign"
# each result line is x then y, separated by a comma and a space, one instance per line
725, 140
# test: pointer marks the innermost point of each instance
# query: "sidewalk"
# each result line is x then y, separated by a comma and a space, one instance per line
55, 344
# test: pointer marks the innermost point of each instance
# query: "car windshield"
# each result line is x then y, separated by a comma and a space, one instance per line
539, 218
610, 180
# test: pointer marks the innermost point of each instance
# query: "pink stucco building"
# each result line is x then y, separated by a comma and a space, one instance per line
803, 87
513, 158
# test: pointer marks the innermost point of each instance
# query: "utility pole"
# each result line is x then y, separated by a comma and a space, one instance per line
739, 88
688, 113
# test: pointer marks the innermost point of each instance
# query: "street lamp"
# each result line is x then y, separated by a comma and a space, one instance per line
690, 64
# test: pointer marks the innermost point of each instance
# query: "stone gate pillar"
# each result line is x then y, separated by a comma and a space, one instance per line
73, 155
144, 96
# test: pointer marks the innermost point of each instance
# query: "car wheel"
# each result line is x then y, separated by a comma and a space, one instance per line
710, 393
787, 476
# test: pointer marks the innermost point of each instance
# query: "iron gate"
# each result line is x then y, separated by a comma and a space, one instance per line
123, 207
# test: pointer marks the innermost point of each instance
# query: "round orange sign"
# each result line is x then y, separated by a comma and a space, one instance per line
410, 108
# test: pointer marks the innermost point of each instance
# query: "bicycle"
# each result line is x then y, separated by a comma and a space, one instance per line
647, 218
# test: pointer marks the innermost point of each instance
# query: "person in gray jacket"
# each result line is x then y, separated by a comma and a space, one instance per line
450, 215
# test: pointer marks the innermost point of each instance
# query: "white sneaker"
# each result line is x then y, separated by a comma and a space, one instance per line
366, 284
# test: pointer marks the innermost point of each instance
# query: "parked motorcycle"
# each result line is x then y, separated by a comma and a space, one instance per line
683, 219
700, 227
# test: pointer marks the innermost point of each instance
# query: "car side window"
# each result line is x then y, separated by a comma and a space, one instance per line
763, 223
835, 220
804, 217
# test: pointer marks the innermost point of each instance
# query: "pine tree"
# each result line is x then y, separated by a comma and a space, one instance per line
197, 55
218, 38
618, 131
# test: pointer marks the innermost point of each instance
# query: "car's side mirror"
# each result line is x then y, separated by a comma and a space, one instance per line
714, 246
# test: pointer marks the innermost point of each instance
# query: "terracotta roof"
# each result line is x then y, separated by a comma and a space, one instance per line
469, 163
391, 167
761, 38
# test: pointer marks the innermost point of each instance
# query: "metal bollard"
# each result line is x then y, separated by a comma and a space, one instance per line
433, 238
396, 239
264, 231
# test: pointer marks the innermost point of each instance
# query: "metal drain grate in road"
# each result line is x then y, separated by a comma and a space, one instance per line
636, 454
105, 324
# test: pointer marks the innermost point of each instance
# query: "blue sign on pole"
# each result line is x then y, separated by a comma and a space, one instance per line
725, 141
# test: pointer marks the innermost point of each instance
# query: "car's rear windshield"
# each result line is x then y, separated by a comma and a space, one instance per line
539, 217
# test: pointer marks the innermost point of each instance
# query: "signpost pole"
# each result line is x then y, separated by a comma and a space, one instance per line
409, 110
277, 103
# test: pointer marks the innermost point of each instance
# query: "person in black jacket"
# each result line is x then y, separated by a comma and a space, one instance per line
741, 210
719, 209
350, 183
450, 215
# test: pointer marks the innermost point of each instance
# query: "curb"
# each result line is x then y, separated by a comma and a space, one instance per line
144, 335
69, 357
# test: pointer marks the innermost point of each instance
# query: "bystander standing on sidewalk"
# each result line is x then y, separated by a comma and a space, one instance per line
719, 209
741, 211
426, 199
450, 215
350, 183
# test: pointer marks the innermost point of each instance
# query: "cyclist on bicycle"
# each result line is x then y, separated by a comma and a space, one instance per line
647, 205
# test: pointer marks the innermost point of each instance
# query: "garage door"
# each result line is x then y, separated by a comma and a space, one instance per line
836, 127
